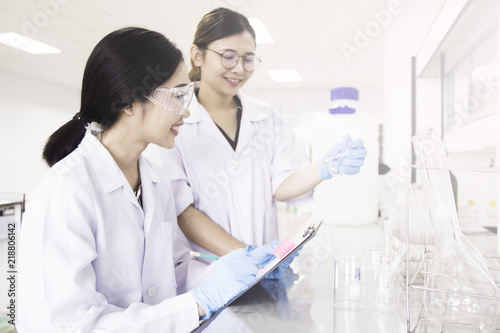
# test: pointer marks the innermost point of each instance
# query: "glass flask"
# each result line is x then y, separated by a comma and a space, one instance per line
460, 294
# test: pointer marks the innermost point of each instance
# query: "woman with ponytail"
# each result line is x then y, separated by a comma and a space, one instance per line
99, 250
236, 156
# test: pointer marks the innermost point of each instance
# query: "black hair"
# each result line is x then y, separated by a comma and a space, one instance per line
124, 67
218, 24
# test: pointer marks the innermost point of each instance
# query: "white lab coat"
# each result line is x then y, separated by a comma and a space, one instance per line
93, 261
234, 188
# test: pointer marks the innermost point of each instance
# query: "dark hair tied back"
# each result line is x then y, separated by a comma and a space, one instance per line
124, 67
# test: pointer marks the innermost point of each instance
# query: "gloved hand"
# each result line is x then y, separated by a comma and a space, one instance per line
263, 255
231, 274
344, 157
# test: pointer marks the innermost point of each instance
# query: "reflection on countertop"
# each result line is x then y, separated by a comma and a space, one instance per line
302, 301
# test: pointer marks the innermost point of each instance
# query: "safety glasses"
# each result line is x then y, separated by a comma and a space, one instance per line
175, 100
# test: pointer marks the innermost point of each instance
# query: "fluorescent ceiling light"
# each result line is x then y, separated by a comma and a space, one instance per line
263, 35
285, 75
26, 44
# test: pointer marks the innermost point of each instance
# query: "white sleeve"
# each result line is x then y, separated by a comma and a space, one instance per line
289, 157
57, 281
178, 314
170, 160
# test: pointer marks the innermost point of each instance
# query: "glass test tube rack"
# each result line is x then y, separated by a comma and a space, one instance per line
418, 263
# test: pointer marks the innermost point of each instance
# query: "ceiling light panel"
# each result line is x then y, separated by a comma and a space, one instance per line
261, 32
26, 44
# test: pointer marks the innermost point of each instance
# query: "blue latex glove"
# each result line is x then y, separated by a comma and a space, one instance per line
345, 157
231, 274
263, 255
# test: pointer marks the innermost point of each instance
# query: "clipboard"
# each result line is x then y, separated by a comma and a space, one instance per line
304, 235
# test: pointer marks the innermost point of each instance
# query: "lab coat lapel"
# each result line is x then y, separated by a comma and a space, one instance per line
148, 180
200, 115
211, 129
107, 171
158, 241
250, 114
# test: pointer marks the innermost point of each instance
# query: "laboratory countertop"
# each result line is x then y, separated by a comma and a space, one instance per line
11, 198
302, 300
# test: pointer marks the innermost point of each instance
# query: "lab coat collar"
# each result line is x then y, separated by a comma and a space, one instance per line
250, 111
105, 168
254, 112
107, 171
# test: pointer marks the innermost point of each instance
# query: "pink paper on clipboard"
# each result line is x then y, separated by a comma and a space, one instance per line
283, 248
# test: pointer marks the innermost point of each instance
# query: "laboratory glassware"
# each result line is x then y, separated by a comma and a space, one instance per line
383, 279
349, 291
460, 294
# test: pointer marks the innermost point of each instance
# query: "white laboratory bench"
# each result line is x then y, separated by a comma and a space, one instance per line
302, 301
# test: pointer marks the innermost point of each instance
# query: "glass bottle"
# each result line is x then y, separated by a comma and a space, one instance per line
460, 294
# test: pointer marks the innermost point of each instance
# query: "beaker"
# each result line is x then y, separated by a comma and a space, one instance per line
460, 294
349, 280
383, 277
383, 288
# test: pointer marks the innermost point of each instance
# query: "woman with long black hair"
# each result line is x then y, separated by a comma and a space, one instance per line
99, 251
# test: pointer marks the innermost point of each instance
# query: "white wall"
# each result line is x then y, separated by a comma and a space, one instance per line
294, 101
428, 103
30, 111
403, 40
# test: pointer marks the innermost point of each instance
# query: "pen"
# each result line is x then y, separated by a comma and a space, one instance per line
204, 255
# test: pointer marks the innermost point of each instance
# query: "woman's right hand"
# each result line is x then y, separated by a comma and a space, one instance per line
231, 274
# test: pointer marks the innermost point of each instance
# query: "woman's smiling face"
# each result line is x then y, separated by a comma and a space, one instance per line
222, 80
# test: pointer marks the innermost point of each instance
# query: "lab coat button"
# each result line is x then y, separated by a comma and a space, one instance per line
238, 208
236, 162
152, 292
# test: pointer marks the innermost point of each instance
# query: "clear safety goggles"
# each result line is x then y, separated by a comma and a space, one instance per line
175, 100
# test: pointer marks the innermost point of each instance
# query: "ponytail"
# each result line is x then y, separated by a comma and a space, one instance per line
194, 73
64, 140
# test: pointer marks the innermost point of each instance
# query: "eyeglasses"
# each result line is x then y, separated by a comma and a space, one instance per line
175, 100
230, 59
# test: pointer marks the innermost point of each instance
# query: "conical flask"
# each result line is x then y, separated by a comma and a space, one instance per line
460, 294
